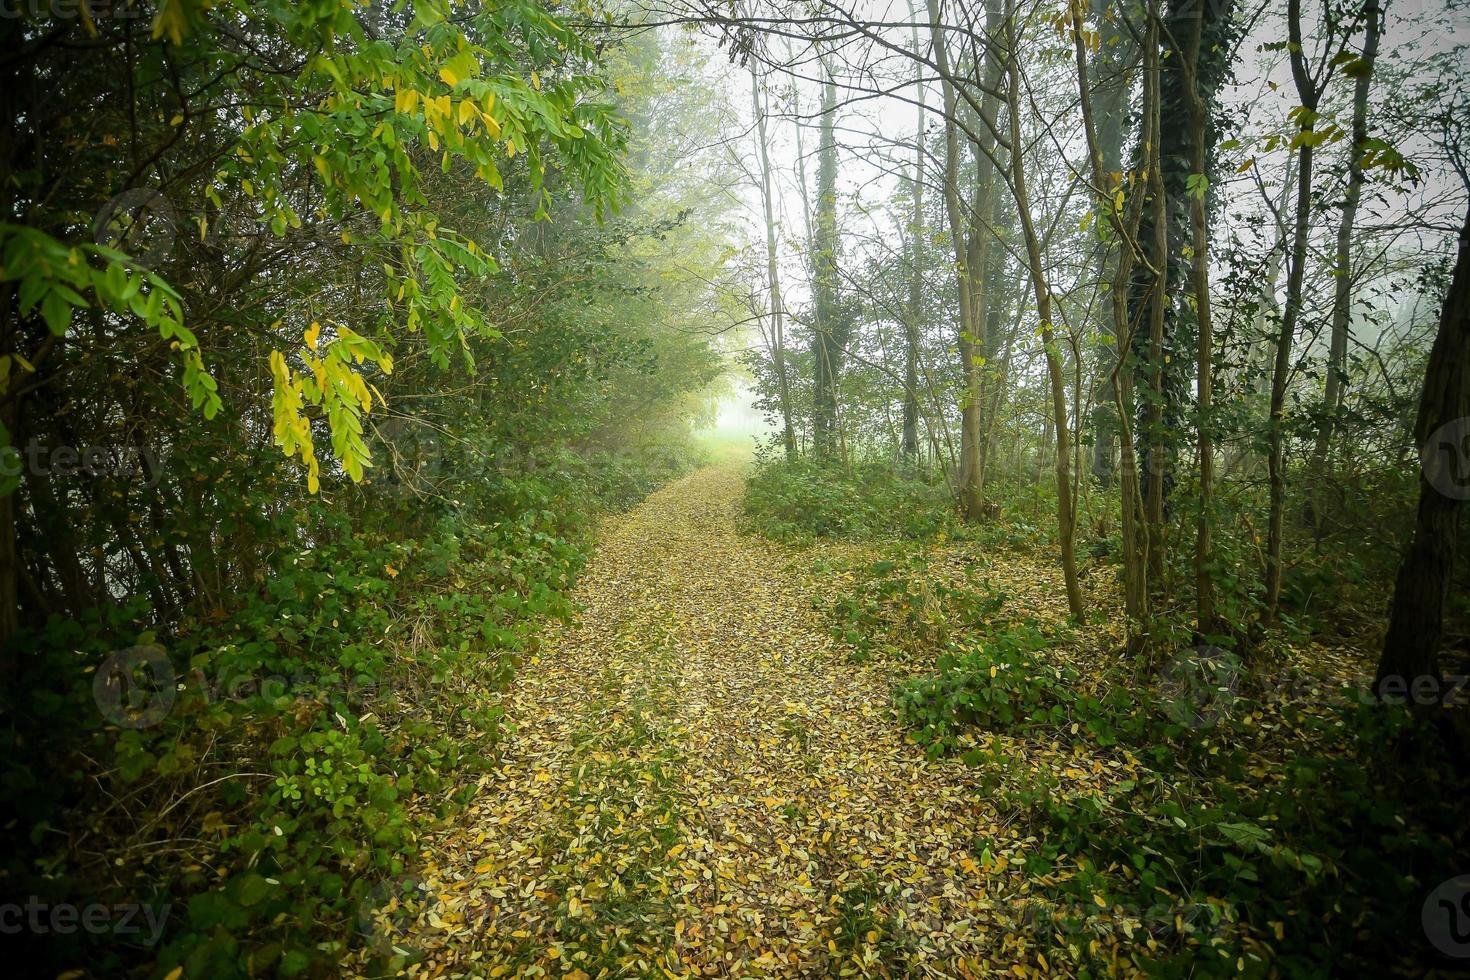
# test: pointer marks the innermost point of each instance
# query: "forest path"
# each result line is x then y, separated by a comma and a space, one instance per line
698, 783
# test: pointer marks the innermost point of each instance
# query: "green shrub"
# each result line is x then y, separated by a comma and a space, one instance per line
807, 499
1000, 685
902, 608
267, 805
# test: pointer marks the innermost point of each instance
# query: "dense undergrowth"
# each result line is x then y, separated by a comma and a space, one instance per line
1205, 810
257, 778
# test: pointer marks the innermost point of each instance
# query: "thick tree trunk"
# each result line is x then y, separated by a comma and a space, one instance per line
1442, 431
1112, 84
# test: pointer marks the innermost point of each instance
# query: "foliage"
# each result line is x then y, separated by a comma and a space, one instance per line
432, 320
1235, 819
898, 607
999, 684
809, 499
306, 724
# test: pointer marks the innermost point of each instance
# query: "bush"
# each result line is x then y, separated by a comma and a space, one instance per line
998, 686
257, 766
807, 499
906, 610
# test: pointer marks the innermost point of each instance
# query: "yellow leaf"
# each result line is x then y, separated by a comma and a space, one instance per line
172, 21
312, 333
450, 78
174, 974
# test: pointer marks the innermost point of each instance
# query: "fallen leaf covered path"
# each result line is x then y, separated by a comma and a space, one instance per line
697, 782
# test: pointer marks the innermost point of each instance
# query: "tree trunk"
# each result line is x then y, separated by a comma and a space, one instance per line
1442, 430
1199, 119
1126, 225
909, 443
1342, 295
778, 328
1066, 515
830, 337
1276, 428
964, 277
1110, 97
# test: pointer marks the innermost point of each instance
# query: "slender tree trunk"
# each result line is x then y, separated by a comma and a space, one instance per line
909, 445
1442, 430
1276, 429
1066, 514
969, 260
1342, 295
773, 279
1126, 224
954, 213
1204, 584
830, 337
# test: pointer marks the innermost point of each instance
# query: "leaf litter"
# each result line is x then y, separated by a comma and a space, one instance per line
697, 782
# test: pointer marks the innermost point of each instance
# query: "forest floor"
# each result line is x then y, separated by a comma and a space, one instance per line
696, 781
